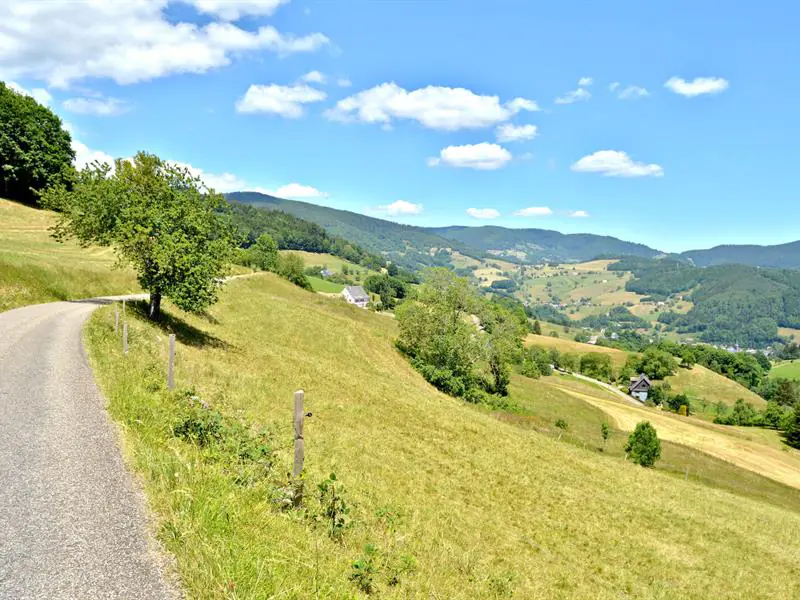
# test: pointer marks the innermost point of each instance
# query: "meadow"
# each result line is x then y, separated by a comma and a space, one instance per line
700, 383
35, 268
788, 370
445, 499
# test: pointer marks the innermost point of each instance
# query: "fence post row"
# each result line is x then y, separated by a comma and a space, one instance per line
171, 367
299, 442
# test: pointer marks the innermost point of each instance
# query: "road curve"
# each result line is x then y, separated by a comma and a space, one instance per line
72, 520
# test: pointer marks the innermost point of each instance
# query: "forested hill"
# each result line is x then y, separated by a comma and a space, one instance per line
782, 256
533, 245
413, 246
404, 244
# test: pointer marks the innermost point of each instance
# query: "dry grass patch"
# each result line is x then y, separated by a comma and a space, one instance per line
618, 357
702, 383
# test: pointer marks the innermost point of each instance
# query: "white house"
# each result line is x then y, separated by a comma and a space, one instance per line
640, 387
355, 294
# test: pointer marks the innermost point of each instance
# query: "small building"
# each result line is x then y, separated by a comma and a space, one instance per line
593, 340
326, 272
640, 387
355, 294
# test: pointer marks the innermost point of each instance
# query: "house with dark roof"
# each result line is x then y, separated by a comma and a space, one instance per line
355, 294
640, 387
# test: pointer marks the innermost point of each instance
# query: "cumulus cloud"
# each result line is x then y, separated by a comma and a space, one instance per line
313, 77
284, 100
613, 163
435, 107
231, 10
483, 157
512, 133
62, 41
573, 96
401, 207
632, 92
297, 190
85, 156
578, 214
41, 95
697, 87
222, 183
101, 107
483, 213
533, 211
585, 81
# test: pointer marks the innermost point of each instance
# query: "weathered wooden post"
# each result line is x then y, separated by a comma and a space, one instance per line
125, 337
123, 309
299, 442
171, 367
116, 319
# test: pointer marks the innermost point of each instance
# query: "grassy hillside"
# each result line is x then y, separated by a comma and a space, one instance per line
35, 268
457, 502
701, 383
788, 370
618, 357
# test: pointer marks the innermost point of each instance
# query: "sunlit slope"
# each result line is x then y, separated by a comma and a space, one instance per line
486, 508
35, 268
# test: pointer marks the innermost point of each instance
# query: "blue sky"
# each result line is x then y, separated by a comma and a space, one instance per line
425, 110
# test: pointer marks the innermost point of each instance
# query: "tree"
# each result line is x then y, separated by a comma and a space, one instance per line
291, 266
264, 253
655, 363
786, 392
537, 327
644, 447
503, 343
605, 433
35, 150
597, 366
676, 401
159, 218
392, 270
792, 428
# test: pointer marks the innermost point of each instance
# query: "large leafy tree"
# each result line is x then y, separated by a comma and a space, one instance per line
35, 150
644, 447
159, 218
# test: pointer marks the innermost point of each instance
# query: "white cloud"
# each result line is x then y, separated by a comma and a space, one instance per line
223, 183
613, 163
62, 41
633, 92
483, 157
297, 190
513, 133
697, 87
613, 86
231, 10
284, 100
533, 211
401, 207
585, 81
344, 82
313, 77
85, 156
573, 96
444, 108
526, 156
578, 214
41, 95
483, 213
96, 106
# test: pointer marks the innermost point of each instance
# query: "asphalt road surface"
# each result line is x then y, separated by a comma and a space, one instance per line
72, 520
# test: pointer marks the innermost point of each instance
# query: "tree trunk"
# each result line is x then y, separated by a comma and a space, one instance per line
154, 311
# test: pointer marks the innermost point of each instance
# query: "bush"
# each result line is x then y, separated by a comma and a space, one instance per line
597, 366
792, 428
644, 447
676, 401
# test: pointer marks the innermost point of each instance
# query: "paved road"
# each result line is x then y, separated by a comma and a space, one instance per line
72, 522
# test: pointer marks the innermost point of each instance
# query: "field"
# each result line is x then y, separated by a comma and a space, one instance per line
788, 370
325, 286
455, 501
35, 268
700, 383
788, 332
618, 357
329, 261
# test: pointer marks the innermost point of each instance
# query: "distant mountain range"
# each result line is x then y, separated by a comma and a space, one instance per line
412, 246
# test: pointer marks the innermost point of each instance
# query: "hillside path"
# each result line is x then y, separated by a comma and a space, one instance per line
72, 520
614, 390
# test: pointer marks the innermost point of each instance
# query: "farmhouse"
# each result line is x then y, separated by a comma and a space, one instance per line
640, 387
355, 294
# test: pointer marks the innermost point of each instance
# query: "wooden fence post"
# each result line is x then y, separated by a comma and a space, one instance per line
123, 309
299, 442
125, 337
171, 367
116, 319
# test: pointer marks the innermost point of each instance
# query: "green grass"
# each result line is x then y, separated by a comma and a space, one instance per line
329, 261
323, 285
484, 508
35, 268
702, 384
788, 370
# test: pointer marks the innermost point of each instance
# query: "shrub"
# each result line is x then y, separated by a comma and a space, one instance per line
333, 507
792, 428
365, 569
644, 447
